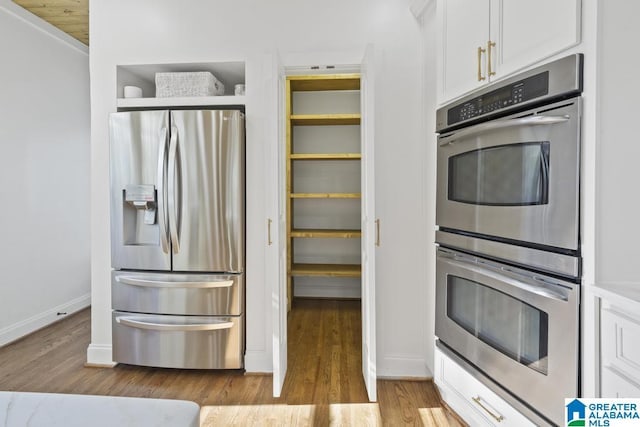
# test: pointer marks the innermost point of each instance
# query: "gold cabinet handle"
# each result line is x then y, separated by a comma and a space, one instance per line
377, 232
480, 52
490, 71
269, 221
498, 418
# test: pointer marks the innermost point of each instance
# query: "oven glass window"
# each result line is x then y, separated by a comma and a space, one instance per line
507, 175
507, 324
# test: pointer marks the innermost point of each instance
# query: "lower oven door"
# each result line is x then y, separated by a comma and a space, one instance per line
521, 329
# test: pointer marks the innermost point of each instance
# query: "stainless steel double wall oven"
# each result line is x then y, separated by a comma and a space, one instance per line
508, 261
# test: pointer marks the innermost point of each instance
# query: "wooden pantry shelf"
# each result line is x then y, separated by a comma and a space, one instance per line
331, 102
325, 156
324, 119
326, 270
316, 82
338, 234
325, 195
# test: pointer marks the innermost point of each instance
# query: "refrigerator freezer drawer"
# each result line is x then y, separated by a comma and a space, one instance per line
181, 294
186, 342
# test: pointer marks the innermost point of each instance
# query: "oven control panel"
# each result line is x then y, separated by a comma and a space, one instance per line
547, 83
503, 97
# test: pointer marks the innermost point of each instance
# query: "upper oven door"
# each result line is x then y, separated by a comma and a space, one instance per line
515, 178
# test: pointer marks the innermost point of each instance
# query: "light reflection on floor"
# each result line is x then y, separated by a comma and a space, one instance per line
334, 414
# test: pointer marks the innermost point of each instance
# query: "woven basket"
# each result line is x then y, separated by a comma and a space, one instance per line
201, 83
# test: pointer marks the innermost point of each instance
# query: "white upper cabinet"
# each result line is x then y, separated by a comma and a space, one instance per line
526, 31
464, 32
484, 40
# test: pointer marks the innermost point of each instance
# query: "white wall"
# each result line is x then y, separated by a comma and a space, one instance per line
44, 173
619, 146
612, 266
429, 89
301, 32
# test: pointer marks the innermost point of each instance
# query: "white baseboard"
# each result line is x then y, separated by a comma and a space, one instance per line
100, 355
326, 289
258, 362
404, 367
32, 324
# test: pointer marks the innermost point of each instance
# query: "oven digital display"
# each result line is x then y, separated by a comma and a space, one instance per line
495, 96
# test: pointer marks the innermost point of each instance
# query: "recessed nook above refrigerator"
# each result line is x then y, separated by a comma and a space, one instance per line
229, 73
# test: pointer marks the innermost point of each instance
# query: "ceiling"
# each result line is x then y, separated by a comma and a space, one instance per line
71, 16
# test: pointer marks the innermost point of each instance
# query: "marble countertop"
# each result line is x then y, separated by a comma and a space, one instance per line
622, 293
21, 409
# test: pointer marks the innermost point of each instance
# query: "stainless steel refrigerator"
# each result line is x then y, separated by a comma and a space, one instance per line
178, 238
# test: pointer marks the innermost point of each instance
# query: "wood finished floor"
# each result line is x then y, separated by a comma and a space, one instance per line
324, 385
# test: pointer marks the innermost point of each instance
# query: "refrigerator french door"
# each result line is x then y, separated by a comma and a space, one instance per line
178, 221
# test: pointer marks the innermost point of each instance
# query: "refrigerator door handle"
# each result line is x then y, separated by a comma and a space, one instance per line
162, 212
134, 281
173, 222
185, 327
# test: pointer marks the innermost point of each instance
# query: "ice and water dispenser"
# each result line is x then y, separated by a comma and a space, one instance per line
139, 209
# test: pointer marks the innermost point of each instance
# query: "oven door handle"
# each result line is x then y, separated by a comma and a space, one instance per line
540, 291
502, 124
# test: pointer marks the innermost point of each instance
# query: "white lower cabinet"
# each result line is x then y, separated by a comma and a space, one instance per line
620, 352
472, 400
617, 385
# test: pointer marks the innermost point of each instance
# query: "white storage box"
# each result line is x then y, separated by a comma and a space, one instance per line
200, 83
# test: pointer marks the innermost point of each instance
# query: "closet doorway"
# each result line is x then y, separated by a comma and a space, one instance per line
329, 238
